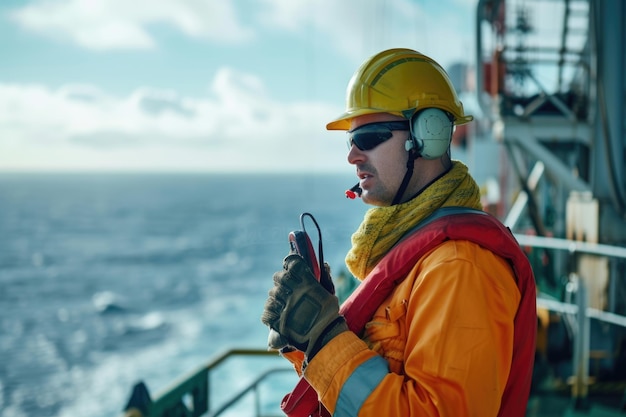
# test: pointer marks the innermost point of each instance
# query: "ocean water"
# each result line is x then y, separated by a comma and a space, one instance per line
108, 279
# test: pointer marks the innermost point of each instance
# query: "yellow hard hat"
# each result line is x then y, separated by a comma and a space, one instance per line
401, 82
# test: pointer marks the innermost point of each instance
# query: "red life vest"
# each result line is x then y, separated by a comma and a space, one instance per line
449, 223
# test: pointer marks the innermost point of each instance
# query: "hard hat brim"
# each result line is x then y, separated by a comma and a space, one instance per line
343, 121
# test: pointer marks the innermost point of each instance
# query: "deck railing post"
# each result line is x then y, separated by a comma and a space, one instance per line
581, 345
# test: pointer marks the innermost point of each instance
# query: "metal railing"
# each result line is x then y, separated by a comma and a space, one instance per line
577, 301
190, 396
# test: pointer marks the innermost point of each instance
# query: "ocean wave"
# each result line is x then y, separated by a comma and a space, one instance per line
108, 302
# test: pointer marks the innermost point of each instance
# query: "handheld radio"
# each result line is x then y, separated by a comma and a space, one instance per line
300, 243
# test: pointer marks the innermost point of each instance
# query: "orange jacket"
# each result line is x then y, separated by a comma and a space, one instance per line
455, 337
440, 345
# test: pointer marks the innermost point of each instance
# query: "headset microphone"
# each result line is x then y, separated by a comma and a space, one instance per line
354, 192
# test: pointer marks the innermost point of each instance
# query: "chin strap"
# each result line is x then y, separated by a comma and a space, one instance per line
407, 176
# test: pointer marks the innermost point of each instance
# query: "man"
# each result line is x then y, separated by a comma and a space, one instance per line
444, 321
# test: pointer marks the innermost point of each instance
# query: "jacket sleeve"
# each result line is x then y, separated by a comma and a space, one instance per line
445, 348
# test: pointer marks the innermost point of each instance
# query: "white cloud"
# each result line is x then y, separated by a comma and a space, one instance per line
357, 28
353, 28
120, 24
235, 126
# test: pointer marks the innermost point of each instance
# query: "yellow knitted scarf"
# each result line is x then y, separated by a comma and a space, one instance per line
382, 227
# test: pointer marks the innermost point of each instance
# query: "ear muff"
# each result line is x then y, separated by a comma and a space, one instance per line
431, 131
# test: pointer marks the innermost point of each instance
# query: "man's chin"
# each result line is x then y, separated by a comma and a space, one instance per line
369, 198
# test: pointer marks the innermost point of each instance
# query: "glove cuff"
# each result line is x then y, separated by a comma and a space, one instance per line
336, 327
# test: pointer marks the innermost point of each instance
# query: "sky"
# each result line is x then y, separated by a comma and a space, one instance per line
198, 85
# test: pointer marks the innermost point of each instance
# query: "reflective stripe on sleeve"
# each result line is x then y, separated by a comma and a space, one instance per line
359, 386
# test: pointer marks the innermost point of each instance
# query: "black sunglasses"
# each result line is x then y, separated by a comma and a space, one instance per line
371, 135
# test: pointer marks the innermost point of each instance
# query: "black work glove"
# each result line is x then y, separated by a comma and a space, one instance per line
299, 311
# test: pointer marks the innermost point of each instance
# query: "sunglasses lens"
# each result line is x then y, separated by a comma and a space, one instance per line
371, 135
369, 140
